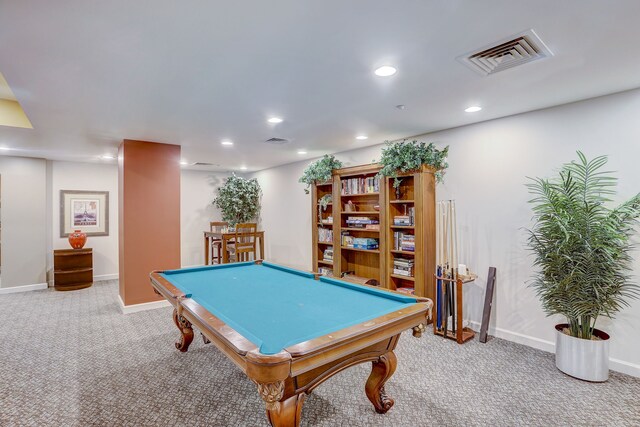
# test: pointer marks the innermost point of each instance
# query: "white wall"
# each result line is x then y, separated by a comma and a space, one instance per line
488, 165
197, 191
89, 177
24, 219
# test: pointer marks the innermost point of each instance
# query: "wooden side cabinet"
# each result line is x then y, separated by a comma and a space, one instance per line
72, 269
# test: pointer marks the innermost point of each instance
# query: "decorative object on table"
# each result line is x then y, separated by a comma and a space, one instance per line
349, 207
582, 250
406, 156
84, 210
319, 171
77, 239
238, 200
323, 202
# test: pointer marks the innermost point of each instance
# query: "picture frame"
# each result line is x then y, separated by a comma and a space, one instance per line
87, 211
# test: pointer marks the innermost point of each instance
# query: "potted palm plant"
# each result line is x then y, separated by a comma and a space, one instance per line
238, 200
582, 250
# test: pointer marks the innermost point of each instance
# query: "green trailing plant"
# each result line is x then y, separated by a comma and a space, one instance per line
581, 246
406, 156
238, 200
323, 202
319, 171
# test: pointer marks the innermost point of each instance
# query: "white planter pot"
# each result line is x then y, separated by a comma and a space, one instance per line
584, 359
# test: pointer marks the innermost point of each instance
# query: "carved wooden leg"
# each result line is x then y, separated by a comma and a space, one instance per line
186, 332
287, 413
380, 373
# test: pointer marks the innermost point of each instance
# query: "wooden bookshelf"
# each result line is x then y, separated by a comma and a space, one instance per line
416, 196
318, 214
366, 201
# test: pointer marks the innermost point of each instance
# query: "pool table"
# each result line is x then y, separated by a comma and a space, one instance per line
290, 330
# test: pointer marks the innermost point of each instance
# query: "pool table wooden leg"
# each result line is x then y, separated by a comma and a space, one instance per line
381, 371
186, 331
288, 412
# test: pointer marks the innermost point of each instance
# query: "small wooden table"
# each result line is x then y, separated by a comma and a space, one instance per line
72, 269
226, 237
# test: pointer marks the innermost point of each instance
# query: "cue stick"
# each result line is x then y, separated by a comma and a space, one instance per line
439, 298
452, 300
445, 305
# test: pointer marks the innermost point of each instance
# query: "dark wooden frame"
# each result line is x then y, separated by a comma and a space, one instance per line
63, 207
284, 379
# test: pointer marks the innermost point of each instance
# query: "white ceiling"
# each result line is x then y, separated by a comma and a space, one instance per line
89, 74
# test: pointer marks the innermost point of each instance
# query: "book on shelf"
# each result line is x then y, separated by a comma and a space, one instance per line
327, 220
325, 271
402, 220
365, 243
404, 241
325, 235
327, 255
372, 227
366, 185
346, 239
399, 272
360, 221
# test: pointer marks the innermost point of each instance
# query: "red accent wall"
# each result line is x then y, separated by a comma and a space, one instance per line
149, 215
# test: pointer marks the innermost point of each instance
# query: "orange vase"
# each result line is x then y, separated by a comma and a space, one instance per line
77, 239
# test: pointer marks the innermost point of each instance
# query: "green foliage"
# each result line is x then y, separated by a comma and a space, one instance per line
319, 171
324, 201
581, 246
407, 156
238, 200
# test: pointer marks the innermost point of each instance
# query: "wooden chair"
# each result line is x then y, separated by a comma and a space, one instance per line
244, 246
216, 226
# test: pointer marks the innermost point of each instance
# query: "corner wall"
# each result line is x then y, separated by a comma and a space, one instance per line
24, 221
488, 165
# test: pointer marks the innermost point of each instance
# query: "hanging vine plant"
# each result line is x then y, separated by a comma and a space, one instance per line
238, 200
406, 156
319, 171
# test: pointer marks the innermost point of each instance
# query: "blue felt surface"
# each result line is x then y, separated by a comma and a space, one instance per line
275, 307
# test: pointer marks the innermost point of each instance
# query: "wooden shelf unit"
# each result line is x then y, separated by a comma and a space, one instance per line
319, 246
72, 269
462, 334
417, 191
365, 263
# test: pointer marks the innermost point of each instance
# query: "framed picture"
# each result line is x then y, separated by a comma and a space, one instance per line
87, 211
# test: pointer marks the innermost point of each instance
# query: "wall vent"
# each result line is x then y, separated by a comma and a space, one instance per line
277, 141
203, 164
508, 53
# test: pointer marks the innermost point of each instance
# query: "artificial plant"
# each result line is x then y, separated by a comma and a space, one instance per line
406, 156
319, 171
582, 246
238, 200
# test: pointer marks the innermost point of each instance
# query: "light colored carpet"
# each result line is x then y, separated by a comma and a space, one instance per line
71, 359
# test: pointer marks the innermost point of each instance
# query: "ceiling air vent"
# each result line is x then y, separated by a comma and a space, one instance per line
203, 164
508, 53
277, 141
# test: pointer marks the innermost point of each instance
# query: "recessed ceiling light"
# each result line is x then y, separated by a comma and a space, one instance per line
275, 120
362, 137
184, 162
302, 152
473, 109
107, 157
385, 71
227, 142
243, 168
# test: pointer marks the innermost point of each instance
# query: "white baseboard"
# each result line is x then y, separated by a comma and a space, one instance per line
104, 277
134, 308
25, 288
548, 346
